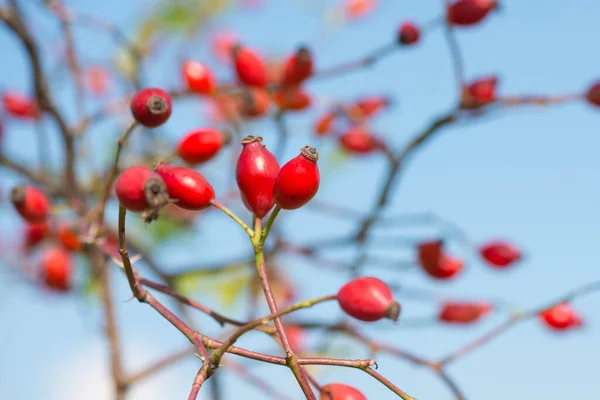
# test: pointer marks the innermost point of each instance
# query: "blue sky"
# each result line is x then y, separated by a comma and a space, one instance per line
530, 175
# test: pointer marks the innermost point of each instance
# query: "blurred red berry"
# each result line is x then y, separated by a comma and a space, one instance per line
593, 95
500, 254
371, 105
57, 266
298, 67
30, 203
561, 317
324, 124
69, 237
201, 145
409, 33
480, 92
222, 43
469, 12
339, 391
254, 103
463, 312
20, 106
296, 336
292, 99
97, 79
198, 77
34, 234
249, 67
358, 8
359, 141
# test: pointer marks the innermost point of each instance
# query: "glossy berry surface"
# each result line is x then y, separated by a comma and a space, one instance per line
409, 33
20, 106
463, 312
298, 180
500, 254
298, 67
30, 203
201, 145
140, 189
187, 186
198, 77
151, 107
255, 173
469, 12
324, 124
57, 266
249, 67
292, 99
339, 391
368, 299
561, 317
593, 95
359, 141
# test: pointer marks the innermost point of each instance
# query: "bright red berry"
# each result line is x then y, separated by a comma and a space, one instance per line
256, 171
469, 12
463, 312
139, 189
368, 299
371, 105
249, 67
429, 252
30, 203
298, 180
201, 145
198, 77
409, 33
359, 141
292, 99
479, 92
187, 186
500, 254
561, 317
358, 8
151, 107
20, 106
593, 95
69, 237
339, 391
324, 125
254, 103
445, 267
35, 233
57, 266
298, 67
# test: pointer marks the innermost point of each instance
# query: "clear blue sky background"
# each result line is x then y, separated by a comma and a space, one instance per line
531, 175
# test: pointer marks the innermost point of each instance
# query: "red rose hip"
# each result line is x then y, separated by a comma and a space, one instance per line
500, 254
444, 268
198, 77
139, 189
409, 33
57, 266
249, 67
368, 299
186, 186
298, 180
151, 107
20, 106
30, 203
463, 312
561, 317
298, 67
201, 145
358, 141
469, 12
593, 95
339, 391
255, 174
34, 234
324, 125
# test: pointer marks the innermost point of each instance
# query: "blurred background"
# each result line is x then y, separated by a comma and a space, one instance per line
529, 175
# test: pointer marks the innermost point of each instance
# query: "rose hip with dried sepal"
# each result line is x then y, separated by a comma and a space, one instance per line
189, 189
151, 107
368, 299
141, 190
298, 67
339, 391
298, 180
30, 203
256, 171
